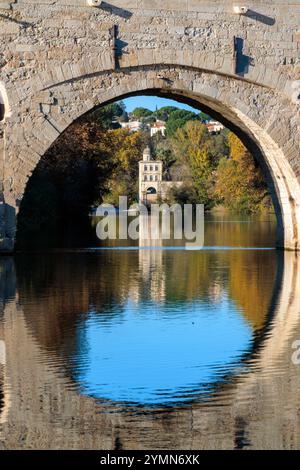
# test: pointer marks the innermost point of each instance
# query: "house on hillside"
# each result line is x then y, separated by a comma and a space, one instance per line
214, 127
133, 126
158, 126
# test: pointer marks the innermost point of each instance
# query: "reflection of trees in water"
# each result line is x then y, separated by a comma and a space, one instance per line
240, 273
259, 408
58, 291
240, 230
251, 283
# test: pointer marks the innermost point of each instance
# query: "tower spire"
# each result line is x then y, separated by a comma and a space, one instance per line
147, 154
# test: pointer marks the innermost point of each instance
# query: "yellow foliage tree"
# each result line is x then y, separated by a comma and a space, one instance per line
237, 148
239, 183
125, 149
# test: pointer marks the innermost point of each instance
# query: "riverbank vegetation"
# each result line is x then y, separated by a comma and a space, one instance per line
96, 160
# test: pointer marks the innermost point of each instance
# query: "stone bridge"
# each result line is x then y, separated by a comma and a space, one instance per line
61, 58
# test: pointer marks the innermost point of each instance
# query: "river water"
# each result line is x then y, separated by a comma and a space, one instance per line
153, 348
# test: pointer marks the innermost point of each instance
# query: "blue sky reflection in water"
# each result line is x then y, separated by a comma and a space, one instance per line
154, 327
177, 322
160, 353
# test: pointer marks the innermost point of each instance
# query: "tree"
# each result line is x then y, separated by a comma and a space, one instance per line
124, 117
219, 146
237, 148
191, 136
166, 155
204, 117
191, 144
67, 179
178, 119
125, 149
140, 112
165, 112
107, 115
183, 194
239, 183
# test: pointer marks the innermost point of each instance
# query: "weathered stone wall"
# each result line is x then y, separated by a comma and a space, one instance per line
61, 58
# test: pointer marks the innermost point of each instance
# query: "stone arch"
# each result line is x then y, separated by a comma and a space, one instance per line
263, 118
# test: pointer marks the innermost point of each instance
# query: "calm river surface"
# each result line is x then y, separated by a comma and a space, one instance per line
152, 348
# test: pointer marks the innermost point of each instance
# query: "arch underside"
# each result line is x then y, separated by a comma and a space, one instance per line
263, 118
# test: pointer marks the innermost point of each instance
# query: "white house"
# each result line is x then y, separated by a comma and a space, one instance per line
158, 126
214, 127
133, 126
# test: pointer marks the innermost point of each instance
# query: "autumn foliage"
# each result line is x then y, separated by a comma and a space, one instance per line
239, 183
92, 162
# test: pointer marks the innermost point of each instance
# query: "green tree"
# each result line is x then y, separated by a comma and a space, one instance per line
107, 115
164, 113
166, 155
141, 112
191, 145
178, 119
204, 116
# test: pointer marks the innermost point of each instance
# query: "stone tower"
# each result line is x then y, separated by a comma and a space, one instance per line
150, 178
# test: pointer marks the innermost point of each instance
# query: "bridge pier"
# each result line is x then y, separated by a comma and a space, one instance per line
7, 227
7, 212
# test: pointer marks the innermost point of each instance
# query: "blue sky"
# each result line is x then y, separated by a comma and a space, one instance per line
151, 102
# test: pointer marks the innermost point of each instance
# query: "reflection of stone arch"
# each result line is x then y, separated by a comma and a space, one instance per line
29, 367
4, 393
